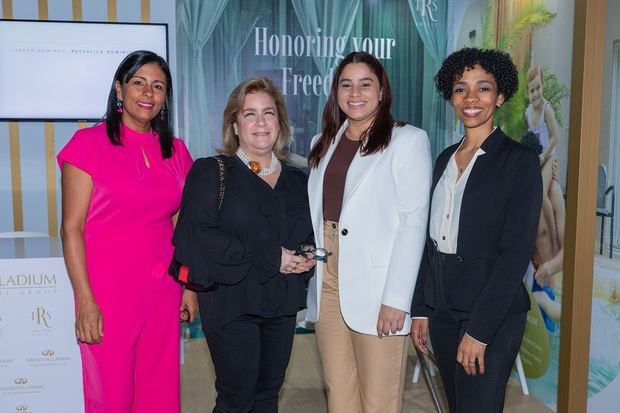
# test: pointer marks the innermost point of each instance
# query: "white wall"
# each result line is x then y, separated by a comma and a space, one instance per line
471, 21
612, 34
31, 134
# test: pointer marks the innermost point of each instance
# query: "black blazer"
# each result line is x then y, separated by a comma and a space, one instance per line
239, 246
497, 230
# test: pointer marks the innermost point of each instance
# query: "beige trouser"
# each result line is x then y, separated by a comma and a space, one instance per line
362, 373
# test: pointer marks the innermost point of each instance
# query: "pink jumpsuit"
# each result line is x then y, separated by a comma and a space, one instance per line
127, 236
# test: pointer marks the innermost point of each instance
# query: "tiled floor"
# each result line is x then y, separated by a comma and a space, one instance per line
303, 391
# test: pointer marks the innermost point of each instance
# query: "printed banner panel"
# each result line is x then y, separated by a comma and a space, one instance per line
40, 368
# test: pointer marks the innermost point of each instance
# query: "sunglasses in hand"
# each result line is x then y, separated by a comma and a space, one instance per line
313, 253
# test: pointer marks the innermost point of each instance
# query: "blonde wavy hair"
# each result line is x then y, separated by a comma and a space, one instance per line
235, 104
533, 71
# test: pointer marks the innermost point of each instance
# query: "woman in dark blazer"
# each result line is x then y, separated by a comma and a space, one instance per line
246, 247
484, 215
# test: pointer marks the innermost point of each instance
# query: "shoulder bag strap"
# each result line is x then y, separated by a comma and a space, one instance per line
222, 186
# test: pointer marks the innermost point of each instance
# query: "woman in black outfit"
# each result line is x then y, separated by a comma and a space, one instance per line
246, 247
486, 199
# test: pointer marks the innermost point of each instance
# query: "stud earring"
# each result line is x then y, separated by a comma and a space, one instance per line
119, 106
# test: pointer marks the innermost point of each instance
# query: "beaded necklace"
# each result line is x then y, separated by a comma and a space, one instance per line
256, 166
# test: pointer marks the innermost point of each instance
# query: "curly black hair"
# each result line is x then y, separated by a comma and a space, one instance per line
495, 62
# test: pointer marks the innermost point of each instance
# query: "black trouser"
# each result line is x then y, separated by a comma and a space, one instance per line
479, 393
250, 356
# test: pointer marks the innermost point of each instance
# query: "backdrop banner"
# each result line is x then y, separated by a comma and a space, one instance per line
298, 44
40, 369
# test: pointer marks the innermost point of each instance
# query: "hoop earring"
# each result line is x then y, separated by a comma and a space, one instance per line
119, 106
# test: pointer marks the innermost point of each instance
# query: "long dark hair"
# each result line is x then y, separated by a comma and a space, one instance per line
378, 135
162, 122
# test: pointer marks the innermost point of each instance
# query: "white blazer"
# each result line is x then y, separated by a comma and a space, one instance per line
385, 213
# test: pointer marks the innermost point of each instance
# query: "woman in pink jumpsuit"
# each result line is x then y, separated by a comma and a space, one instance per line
121, 188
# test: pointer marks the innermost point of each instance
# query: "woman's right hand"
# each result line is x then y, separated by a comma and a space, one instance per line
294, 264
77, 188
89, 323
419, 334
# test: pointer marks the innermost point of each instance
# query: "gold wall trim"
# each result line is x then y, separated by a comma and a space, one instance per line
145, 10
50, 152
16, 177
583, 156
7, 9
43, 10
112, 11
50, 174
77, 9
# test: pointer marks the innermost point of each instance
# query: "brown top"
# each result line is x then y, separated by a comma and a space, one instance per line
335, 177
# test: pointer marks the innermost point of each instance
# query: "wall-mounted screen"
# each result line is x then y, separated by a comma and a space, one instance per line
58, 70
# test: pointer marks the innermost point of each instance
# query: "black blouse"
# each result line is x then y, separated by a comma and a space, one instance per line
239, 246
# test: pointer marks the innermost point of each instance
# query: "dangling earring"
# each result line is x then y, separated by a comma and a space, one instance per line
119, 106
162, 114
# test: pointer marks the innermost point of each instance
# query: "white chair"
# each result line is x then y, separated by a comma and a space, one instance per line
184, 338
418, 367
425, 365
303, 323
603, 209
521, 374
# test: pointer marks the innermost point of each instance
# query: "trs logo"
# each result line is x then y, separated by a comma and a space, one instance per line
21, 408
47, 353
425, 7
21, 380
41, 316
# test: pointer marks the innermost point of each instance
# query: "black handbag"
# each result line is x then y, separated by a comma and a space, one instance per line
180, 272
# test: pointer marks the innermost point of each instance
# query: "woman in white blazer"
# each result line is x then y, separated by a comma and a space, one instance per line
369, 191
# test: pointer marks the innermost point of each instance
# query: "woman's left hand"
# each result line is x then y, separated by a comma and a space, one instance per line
307, 266
391, 320
470, 353
295, 264
189, 306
